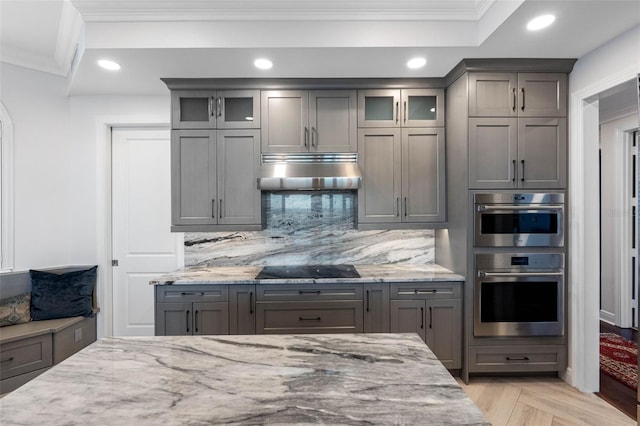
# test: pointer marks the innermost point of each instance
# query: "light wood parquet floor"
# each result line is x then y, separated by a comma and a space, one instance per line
540, 401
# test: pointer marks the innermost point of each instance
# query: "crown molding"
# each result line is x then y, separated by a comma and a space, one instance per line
281, 10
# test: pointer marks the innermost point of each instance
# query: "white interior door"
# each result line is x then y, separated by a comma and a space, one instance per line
142, 242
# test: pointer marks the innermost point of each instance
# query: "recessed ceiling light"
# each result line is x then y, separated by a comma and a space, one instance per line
109, 65
416, 63
263, 64
540, 22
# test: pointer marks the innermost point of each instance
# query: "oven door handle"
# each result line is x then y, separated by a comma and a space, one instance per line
483, 274
484, 207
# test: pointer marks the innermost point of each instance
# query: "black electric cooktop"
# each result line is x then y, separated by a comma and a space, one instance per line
275, 272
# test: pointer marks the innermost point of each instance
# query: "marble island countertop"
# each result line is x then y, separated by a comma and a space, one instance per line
331, 379
368, 273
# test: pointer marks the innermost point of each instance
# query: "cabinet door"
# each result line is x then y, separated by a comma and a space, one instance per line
423, 175
242, 308
408, 316
444, 331
238, 109
422, 108
192, 109
542, 95
193, 177
238, 163
285, 116
542, 150
380, 163
493, 94
493, 153
378, 108
332, 119
174, 319
210, 318
376, 308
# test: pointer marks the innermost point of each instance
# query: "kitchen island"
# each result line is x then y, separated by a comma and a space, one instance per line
334, 379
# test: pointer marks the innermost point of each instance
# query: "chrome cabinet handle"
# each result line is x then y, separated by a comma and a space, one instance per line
188, 331
196, 320
515, 97
523, 358
213, 208
422, 318
367, 300
398, 207
219, 107
306, 137
250, 303
416, 291
313, 139
220, 208
7, 360
397, 110
211, 112
550, 207
430, 317
405, 111
513, 179
522, 90
522, 179
309, 319
308, 291
405, 206
192, 293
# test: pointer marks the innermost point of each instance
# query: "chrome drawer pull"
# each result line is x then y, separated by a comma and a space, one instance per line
309, 319
308, 291
7, 360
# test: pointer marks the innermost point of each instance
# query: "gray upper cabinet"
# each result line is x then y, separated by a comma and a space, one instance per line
213, 178
401, 108
403, 175
193, 177
226, 109
309, 121
510, 153
497, 94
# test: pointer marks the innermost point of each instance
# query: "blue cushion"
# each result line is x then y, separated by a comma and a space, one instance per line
62, 295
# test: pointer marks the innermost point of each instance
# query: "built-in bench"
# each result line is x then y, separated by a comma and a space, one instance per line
28, 350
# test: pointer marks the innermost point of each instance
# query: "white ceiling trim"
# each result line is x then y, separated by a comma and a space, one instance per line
282, 10
68, 34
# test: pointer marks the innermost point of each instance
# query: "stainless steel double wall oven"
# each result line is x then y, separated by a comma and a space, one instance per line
519, 262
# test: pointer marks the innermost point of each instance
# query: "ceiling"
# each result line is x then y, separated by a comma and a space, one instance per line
303, 38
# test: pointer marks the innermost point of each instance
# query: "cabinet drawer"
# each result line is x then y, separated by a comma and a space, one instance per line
436, 290
26, 355
309, 317
70, 340
192, 293
507, 359
295, 292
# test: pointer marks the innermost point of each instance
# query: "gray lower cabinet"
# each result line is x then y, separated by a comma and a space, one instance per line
376, 308
403, 175
191, 309
517, 358
213, 179
434, 312
326, 308
510, 153
242, 309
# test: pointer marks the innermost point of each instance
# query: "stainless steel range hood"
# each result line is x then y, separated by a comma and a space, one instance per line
291, 172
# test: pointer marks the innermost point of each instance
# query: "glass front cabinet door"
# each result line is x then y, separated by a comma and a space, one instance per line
401, 108
227, 109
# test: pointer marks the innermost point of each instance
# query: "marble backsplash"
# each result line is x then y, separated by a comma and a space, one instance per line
309, 228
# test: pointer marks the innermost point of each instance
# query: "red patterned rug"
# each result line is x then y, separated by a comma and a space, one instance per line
619, 359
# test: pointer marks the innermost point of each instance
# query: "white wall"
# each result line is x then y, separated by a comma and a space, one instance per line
609, 65
57, 163
43, 162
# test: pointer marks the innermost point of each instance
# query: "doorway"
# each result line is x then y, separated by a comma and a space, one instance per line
142, 245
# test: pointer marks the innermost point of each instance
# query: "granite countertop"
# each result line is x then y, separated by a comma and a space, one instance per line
335, 379
368, 273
